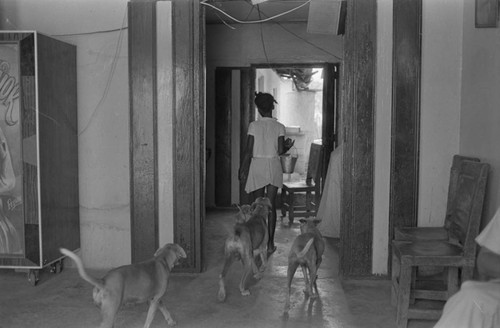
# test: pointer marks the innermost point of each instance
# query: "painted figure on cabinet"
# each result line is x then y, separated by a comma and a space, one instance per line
11, 164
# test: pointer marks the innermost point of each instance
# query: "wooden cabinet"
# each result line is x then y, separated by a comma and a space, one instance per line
39, 207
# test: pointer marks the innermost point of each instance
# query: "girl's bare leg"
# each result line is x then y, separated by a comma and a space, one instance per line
272, 192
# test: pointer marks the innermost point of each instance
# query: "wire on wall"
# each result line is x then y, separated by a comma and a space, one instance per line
110, 76
262, 37
204, 2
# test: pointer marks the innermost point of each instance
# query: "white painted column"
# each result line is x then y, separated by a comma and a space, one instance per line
165, 122
381, 195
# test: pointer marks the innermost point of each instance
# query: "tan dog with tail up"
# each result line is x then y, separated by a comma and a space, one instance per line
247, 239
135, 283
307, 251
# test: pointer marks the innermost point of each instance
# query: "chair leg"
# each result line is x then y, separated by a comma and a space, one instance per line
467, 273
452, 281
316, 203
308, 203
291, 207
405, 275
395, 283
413, 284
283, 202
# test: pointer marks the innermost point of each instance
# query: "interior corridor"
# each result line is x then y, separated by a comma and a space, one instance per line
65, 300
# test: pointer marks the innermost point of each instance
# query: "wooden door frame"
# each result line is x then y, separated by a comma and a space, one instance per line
186, 93
405, 134
357, 112
223, 134
358, 122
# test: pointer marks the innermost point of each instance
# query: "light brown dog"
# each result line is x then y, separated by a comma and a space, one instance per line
306, 251
248, 239
135, 283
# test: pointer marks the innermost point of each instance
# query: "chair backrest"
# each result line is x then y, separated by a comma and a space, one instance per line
314, 164
452, 187
467, 207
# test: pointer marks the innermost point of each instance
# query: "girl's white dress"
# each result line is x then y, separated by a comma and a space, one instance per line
265, 167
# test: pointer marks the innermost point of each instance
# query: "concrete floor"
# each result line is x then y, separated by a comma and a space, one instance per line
65, 300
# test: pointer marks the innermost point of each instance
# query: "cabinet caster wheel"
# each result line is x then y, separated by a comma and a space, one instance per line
57, 267
33, 277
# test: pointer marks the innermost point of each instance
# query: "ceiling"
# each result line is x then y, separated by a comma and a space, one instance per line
244, 10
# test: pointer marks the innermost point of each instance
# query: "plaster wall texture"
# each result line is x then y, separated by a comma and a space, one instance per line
480, 102
103, 114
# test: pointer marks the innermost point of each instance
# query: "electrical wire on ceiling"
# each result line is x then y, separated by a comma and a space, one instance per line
205, 3
224, 22
262, 37
305, 40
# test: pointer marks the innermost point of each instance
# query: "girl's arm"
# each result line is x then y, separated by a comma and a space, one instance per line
247, 157
284, 145
281, 145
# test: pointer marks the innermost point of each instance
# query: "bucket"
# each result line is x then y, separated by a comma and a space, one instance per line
288, 162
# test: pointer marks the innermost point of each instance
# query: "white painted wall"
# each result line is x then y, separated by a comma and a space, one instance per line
480, 101
440, 105
103, 114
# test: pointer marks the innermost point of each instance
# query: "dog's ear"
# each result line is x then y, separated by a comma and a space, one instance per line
170, 253
243, 214
267, 202
179, 251
160, 250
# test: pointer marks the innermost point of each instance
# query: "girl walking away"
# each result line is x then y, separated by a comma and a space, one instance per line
261, 166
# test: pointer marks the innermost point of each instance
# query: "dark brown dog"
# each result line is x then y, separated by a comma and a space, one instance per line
248, 239
135, 283
306, 251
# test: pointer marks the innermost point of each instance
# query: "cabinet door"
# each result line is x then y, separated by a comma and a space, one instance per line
19, 220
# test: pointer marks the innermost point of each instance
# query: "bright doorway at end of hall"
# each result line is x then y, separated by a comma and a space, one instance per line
307, 105
299, 93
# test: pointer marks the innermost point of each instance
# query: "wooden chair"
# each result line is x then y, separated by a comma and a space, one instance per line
437, 233
456, 253
311, 186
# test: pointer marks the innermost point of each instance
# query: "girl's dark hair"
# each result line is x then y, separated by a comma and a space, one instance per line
264, 101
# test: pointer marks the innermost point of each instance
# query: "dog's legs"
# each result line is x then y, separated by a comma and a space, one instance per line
153, 306
108, 312
318, 262
166, 314
263, 252
313, 275
263, 257
308, 290
292, 267
229, 258
248, 266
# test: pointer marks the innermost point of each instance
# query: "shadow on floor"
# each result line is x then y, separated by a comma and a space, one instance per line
65, 300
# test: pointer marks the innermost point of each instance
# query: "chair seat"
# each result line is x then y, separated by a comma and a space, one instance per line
297, 186
426, 252
420, 233
310, 186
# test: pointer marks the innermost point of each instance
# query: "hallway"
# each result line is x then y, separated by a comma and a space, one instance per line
65, 300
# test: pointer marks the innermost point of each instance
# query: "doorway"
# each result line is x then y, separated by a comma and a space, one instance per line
307, 104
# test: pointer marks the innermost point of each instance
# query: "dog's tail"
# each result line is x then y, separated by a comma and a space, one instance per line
303, 252
81, 270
